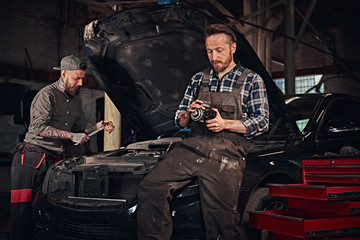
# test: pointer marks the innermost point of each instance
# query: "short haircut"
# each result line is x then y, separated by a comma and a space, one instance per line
219, 28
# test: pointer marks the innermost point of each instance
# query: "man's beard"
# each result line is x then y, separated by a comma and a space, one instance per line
220, 66
72, 90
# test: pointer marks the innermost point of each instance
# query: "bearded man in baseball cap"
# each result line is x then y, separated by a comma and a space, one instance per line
56, 117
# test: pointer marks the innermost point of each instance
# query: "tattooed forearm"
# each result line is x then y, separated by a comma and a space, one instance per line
50, 132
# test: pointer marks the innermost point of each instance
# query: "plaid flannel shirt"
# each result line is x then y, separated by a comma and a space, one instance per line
255, 107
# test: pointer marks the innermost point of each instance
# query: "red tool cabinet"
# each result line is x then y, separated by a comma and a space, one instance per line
325, 206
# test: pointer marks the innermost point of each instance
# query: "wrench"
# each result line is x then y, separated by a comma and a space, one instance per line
92, 133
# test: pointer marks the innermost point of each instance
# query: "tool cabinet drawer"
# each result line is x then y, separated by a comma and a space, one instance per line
315, 192
305, 224
334, 170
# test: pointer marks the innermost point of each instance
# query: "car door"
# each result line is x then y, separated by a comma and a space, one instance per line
340, 127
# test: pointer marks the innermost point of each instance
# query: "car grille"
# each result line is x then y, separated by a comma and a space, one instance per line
91, 229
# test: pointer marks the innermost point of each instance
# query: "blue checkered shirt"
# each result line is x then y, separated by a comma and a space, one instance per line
255, 107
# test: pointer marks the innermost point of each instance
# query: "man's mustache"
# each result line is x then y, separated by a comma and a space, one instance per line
216, 62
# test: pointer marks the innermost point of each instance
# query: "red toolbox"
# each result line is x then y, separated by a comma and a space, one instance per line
325, 206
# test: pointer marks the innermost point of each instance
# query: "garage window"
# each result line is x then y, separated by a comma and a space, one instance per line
302, 83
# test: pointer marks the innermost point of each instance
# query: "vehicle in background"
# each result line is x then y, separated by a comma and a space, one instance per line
14, 116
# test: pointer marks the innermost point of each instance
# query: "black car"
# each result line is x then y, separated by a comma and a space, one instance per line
143, 58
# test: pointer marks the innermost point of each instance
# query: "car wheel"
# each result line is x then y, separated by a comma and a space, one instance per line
259, 201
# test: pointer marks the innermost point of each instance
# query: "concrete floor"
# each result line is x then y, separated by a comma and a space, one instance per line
5, 200
5, 225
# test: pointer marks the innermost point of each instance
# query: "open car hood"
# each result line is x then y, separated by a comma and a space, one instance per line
144, 58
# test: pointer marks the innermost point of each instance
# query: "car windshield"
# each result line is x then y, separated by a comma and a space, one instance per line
301, 108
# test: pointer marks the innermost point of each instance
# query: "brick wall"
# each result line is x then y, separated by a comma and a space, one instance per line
342, 84
38, 33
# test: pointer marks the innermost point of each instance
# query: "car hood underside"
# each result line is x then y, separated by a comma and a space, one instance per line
144, 59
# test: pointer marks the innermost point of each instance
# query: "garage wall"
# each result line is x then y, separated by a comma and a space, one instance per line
38, 33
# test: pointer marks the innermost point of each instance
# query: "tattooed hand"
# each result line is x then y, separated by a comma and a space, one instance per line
79, 138
107, 125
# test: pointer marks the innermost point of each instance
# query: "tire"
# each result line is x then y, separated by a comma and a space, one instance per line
260, 201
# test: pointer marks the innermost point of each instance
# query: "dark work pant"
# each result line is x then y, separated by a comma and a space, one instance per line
219, 183
28, 170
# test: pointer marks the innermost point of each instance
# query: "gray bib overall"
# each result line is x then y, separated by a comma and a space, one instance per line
229, 105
